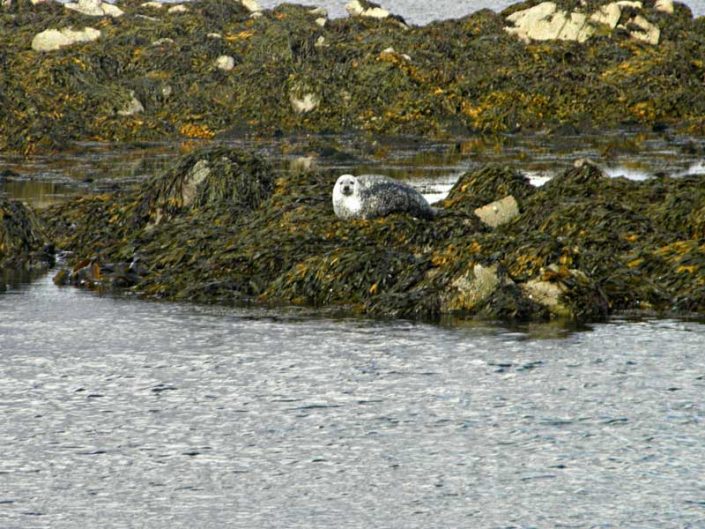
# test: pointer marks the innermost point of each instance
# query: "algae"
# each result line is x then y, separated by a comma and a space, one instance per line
583, 247
291, 73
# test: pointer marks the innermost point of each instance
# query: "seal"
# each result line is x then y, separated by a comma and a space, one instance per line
370, 196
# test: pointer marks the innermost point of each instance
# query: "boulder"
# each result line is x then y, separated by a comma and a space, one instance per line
546, 21
95, 8
499, 212
54, 39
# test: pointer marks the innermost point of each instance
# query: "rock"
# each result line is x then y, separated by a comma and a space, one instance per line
95, 8
225, 62
179, 8
54, 39
547, 294
546, 21
644, 30
304, 104
166, 41
664, 5
356, 8
318, 12
132, 108
251, 5
471, 289
391, 54
199, 172
152, 5
214, 36
322, 21
365, 9
320, 42
499, 212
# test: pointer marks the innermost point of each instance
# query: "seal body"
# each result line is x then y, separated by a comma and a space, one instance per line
370, 196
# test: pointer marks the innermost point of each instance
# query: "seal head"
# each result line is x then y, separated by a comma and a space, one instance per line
370, 196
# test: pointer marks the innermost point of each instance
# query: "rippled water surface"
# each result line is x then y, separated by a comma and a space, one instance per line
121, 413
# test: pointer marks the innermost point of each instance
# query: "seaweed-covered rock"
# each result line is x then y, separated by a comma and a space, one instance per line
218, 226
215, 69
23, 244
208, 179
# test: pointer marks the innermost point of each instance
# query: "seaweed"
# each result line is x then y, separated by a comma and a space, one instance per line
583, 246
288, 71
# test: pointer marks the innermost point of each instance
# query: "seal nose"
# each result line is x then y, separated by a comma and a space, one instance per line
347, 190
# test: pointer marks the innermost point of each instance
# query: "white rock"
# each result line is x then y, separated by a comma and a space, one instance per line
132, 108
225, 62
178, 8
304, 104
214, 36
647, 31
320, 42
53, 39
499, 212
545, 21
664, 5
95, 8
356, 9
152, 5
166, 41
318, 12
322, 21
251, 5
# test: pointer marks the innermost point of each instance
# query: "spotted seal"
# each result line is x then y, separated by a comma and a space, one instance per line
370, 196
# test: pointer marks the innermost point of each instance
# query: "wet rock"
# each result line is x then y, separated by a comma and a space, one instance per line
95, 8
471, 289
54, 39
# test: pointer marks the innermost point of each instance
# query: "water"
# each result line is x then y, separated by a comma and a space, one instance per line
423, 11
120, 413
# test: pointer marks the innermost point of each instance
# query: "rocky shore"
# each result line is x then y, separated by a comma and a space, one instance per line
92, 71
217, 227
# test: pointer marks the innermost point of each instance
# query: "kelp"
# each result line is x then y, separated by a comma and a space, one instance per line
289, 74
584, 246
24, 245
